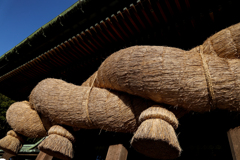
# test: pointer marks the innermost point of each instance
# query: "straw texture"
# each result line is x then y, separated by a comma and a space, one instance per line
157, 139
57, 143
225, 43
57, 146
16, 135
162, 74
59, 130
220, 52
200, 80
65, 103
12, 143
129, 82
24, 120
157, 112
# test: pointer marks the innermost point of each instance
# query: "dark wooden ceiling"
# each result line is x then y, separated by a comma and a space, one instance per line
177, 23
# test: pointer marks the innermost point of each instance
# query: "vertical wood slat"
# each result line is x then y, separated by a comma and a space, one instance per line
152, 11
117, 152
162, 12
114, 18
93, 30
44, 156
84, 36
97, 26
88, 32
103, 25
234, 142
76, 43
134, 10
114, 28
120, 15
127, 13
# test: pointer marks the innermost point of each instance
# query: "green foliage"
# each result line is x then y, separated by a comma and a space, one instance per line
5, 102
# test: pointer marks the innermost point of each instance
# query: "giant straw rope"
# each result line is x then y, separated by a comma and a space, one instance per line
137, 90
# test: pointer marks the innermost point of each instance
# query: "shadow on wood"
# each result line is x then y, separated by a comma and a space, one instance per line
43, 156
117, 152
234, 142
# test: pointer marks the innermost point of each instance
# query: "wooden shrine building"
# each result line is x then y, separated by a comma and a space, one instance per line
74, 44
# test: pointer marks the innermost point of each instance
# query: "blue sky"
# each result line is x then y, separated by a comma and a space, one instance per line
20, 18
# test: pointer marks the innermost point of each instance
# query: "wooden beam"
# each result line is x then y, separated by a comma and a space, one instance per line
43, 156
234, 141
7, 156
117, 152
27, 154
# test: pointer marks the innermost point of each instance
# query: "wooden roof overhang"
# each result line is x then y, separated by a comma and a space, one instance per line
177, 23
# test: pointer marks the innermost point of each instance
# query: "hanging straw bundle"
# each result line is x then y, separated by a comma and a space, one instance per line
24, 120
155, 136
12, 143
87, 107
58, 143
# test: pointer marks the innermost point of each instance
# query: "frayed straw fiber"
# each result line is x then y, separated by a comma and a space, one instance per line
89, 108
163, 74
56, 129
57, 146
24, 120
155, 137
202, 79
157, 112
12, 143
205, 78
225, 43
16, 135
78, 106
58, 143
221, 53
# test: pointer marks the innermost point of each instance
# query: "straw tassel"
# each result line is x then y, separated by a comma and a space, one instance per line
155, 137
58, 143
12, 143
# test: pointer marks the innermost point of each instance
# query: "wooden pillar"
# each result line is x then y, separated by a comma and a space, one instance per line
117, 152
43, 156
7, 156
234, 141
